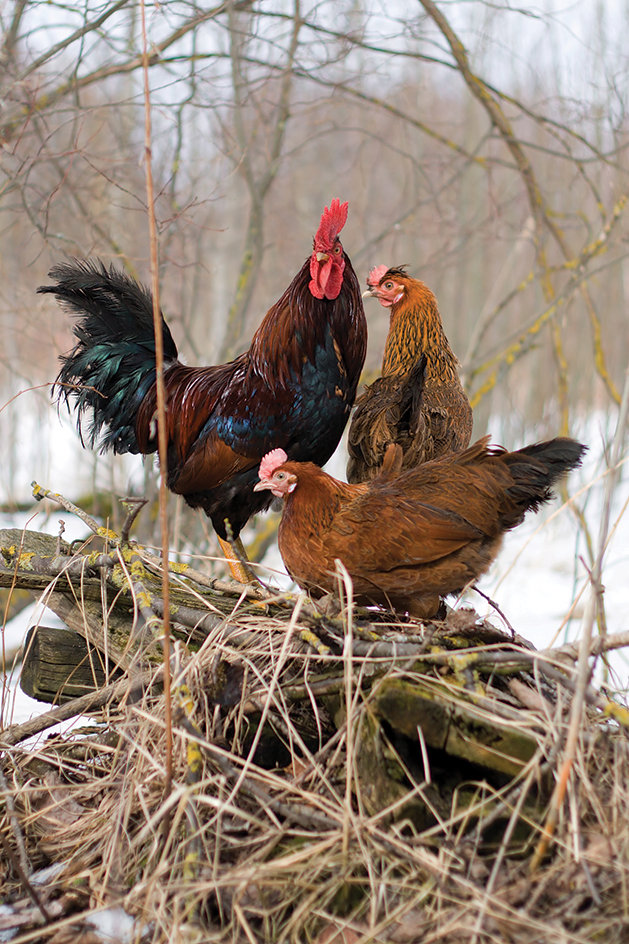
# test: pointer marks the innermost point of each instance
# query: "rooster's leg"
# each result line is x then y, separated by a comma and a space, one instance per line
235, 555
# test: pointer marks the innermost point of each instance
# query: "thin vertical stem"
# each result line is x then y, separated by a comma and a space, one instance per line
161, 397
584, 669
346, 590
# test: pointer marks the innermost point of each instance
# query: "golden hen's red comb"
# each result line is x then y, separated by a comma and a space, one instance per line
377, 274
272, 461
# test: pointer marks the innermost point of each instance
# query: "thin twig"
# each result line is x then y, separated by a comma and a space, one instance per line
28, 888
584, 670
40, 493
15, 822
134, 507
497, 609
162, 432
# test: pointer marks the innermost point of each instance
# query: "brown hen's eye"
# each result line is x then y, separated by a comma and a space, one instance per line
388, 285
280, 476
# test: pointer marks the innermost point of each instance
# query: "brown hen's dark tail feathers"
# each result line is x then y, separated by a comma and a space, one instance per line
535, 469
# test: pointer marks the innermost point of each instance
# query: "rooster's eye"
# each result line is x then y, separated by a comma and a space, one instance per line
337, 249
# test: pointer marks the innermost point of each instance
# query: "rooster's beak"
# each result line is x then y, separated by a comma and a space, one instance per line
322, 257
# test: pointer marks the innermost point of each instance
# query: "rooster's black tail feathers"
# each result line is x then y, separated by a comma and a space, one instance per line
112, 365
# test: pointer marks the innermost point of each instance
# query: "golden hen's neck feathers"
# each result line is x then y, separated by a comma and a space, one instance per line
415, 329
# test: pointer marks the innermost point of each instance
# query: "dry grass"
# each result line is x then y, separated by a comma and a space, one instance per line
274, 831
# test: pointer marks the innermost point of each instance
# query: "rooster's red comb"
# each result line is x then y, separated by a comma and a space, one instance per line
272, 461
332, 222
377, 274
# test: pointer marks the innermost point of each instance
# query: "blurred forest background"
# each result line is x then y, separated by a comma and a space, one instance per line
485, 146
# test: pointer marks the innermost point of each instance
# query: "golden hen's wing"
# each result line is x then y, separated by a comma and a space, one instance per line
389, 411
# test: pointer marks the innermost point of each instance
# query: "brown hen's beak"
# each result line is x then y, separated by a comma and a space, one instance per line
261, 485
322, 256
372, 292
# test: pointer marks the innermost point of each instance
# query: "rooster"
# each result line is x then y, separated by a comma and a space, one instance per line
418, 401
294, 388
409, 539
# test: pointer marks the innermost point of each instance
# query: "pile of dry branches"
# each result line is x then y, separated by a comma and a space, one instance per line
345, 779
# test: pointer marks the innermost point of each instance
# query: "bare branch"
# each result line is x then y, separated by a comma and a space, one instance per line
258, 185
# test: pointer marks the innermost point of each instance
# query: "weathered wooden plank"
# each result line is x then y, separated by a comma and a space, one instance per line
454, 725
60, 665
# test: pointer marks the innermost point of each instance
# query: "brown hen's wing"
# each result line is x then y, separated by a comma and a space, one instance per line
474, 484
383, 530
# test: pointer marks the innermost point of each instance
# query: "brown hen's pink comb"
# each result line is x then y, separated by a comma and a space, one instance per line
272, 461
332, 222
377, 274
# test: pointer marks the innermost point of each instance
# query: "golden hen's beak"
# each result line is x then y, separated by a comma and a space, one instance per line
371, 292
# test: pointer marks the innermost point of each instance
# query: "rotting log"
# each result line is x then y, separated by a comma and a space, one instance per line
60, 665
454, 725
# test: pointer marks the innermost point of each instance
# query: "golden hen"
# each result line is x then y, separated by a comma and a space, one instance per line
418, 401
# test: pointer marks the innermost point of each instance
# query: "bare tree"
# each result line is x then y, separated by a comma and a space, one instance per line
504, 193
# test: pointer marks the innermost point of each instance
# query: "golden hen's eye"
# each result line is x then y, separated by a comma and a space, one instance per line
388, 286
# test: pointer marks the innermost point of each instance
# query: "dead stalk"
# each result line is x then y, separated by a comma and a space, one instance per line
584, 669
161, 393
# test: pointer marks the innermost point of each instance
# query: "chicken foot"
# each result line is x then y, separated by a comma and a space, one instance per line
236, 557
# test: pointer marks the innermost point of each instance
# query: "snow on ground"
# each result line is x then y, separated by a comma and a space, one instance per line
15, 705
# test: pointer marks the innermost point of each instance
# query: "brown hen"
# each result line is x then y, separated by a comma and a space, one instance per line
418, 401
407, 540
